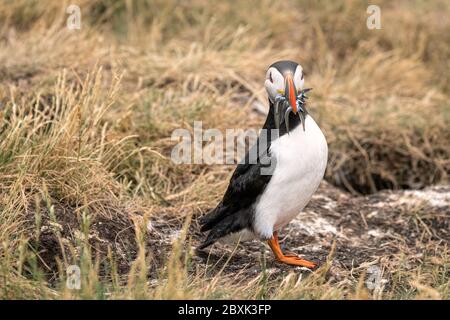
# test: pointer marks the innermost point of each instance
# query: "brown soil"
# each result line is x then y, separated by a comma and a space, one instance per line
367, 231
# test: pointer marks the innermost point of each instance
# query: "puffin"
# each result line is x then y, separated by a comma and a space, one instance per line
268, 190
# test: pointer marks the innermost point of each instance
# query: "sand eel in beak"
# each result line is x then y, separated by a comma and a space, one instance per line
263, 196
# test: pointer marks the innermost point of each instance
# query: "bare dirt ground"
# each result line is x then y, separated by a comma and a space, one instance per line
368, 232
380, 233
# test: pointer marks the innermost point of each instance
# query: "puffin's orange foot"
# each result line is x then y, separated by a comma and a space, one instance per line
290, 258
296, 261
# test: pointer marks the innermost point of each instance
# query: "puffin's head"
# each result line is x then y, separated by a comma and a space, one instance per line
284, 85
283, 79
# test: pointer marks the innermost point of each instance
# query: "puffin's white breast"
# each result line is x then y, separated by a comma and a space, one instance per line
301, 160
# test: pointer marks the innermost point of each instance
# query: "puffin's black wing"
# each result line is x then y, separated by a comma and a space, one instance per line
235, 212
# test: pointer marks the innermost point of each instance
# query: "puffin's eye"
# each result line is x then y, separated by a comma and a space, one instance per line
270, 77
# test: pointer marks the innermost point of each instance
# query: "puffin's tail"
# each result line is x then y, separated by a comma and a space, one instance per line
208, 221
222, 225
222, 228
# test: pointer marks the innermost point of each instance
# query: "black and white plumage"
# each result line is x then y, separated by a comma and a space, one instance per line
255, 204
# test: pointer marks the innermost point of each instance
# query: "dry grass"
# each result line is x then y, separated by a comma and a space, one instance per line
86, 117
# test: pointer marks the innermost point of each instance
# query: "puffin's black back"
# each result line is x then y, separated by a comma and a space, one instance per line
235, 211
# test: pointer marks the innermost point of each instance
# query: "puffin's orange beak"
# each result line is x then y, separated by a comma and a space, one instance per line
290, 92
